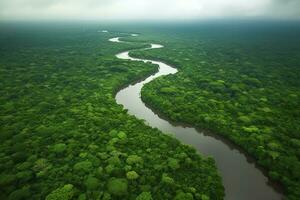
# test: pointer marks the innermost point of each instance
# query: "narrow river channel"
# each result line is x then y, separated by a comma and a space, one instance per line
242, 179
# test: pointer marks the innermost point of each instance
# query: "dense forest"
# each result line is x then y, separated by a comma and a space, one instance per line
64, 137
240, 81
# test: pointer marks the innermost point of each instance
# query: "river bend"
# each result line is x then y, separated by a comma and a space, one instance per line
242, 179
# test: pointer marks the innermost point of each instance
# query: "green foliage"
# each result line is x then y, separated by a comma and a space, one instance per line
131, 175
6, 179
20, 194
91, 183
244, 119
184, 196
84, 166
250, 129
167, 180
251, 97
82, 197
57, 87
173, 163
117, 186
24, 176
114, 160
144, 196
64, 193
122, 135
60, 122
109, 168
59, 148
168, 90
134, 159
204, 197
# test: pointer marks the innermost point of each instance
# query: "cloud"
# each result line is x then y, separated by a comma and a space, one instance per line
285, 8
147, 9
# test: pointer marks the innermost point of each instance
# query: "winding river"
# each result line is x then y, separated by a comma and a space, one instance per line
242, 179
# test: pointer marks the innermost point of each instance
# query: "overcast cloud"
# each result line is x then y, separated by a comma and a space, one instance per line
147, 9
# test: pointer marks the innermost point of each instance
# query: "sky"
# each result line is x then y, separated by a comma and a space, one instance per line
147, 9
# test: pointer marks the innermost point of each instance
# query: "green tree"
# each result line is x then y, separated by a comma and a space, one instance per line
117, 186
131, 175
64, 193
91, 183
144, 196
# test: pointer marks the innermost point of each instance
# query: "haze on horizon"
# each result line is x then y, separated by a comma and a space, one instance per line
147, 9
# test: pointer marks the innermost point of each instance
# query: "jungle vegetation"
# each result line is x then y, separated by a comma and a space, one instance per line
240, 81
64, 137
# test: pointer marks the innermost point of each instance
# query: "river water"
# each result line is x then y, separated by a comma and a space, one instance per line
242, 179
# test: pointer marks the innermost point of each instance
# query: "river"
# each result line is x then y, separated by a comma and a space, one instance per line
241, 177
